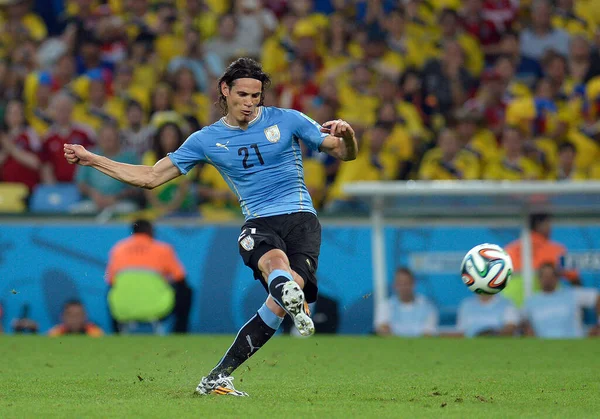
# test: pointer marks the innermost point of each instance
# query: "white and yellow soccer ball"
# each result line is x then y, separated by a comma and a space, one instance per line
486, 269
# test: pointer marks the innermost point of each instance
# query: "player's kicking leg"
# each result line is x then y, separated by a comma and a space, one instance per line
285, 289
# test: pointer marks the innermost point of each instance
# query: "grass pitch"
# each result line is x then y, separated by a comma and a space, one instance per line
154, 377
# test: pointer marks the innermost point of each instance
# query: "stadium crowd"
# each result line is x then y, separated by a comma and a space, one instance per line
438, 89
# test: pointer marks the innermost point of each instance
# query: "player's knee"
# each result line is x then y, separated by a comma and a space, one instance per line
274, 307
299, 280
272, 260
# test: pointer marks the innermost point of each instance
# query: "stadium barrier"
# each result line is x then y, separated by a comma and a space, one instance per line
44, 265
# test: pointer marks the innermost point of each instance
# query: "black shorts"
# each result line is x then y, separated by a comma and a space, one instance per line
297, 234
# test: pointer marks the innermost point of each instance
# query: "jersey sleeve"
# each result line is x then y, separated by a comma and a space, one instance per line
511, 315
307, 129
433, 319
585, 297
190, 153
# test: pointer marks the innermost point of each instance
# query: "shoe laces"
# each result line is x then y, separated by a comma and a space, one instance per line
225, 381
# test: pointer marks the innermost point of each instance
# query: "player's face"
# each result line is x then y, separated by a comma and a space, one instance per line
548, 279
404, 286
242, 99
74, 318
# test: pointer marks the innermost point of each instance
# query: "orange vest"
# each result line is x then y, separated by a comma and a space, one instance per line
90, 329
140, 251
544, 251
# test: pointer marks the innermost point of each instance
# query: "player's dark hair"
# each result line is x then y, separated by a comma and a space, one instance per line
536, 219
143, 227
546, 265
70, 303
567, 146
406, 271
242, 68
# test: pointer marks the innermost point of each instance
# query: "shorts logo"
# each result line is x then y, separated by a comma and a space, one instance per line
247, 243
272, 133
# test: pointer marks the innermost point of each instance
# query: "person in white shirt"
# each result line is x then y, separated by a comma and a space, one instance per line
486, 315
406, 313
556, 313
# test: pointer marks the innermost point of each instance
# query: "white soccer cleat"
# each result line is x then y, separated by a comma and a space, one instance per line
295, 304
222, 386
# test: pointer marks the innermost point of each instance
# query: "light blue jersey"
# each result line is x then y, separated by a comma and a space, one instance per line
476, 316
263, 164
408, 319
558, 314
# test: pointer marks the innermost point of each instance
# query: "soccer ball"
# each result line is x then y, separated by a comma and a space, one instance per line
486, 269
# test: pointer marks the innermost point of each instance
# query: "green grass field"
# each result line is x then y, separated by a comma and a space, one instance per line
155, 377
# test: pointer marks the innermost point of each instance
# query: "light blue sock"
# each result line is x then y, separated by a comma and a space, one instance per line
279, 272
271, 319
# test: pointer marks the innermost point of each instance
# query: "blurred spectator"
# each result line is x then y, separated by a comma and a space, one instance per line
406, 314
20, 148
446, 81
102, 193
512, 164
63, 130
448, 161
357, 96
544, 250
187, 99
566, 168
584, 63
168, 43
74, 322
142, 252
476, 139
136, 136
226, 43
20, 23
174, 196
502, 13
372, 163
487, 315
99, 109
541, 36
478, 26
162, 99
491, 101
557, 312
451, 31
400, 42
206, 66
24, 324
254, 24
296, 92
527, 70
566, 17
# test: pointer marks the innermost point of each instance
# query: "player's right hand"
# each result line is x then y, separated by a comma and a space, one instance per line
77, 154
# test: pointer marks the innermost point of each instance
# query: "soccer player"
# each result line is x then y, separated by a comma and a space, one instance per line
256, 149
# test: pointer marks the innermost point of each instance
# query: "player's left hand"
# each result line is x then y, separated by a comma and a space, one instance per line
338, 128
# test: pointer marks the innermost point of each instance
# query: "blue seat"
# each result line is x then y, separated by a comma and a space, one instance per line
54, 198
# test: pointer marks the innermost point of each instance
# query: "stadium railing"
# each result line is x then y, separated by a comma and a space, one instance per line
482, 200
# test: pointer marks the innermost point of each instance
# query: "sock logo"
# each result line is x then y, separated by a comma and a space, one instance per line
279, 285
252, 347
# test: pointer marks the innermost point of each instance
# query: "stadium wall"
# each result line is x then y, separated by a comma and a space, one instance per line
45, 265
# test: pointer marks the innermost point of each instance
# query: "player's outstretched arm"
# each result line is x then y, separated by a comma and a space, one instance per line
341, 142
147, 177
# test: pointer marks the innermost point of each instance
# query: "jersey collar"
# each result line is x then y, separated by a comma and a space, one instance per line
256, 118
